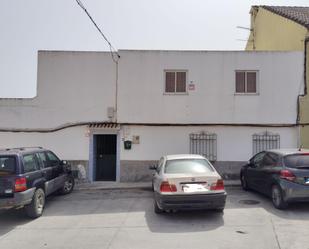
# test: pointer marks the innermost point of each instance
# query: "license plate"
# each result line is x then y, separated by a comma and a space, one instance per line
190, 188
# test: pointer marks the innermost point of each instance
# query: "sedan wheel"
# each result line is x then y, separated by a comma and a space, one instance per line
277, 198
157, 209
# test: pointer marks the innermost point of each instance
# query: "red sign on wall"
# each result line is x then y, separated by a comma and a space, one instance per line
191, 87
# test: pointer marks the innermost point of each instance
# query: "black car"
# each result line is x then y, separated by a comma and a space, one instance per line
283, 175
28, 175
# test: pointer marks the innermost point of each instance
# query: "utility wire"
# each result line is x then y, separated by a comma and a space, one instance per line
113, 51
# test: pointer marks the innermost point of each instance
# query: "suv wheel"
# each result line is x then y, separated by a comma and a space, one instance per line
68, 185
36, 207
277, 198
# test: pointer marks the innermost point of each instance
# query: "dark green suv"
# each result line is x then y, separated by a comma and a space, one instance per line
28, 175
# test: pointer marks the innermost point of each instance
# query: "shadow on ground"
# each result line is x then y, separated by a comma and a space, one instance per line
134, 208
11, 219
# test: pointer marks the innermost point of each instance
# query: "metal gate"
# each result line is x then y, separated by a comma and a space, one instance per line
204, 144
265, 141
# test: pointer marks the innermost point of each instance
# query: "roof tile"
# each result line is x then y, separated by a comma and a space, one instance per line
294, 13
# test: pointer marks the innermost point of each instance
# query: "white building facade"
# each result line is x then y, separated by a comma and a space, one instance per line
112, 123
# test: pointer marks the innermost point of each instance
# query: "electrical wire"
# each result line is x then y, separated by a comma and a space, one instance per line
114, 54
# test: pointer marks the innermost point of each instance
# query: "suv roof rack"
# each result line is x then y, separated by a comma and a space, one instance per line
24, 148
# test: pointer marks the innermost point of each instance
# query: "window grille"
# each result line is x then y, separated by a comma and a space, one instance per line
204, 144
265, 141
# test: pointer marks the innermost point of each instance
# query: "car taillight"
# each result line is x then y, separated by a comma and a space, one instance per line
287, 175
219, 185
167, 187
20, 184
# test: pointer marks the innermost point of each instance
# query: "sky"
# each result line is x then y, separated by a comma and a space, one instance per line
27, 26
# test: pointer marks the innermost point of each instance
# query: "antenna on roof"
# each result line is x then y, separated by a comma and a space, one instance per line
246, 28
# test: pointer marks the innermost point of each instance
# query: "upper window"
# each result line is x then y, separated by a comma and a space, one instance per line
175, 81
246, 82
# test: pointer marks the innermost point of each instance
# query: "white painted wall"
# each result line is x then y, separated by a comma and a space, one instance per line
72, 87
142, 98
68, 144
233, 143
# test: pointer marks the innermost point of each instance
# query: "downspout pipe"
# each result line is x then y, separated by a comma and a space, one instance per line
305, 82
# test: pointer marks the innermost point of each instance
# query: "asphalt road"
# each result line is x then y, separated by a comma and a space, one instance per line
121, 219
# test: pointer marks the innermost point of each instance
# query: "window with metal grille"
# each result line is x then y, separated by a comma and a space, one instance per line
265, 141
204, 144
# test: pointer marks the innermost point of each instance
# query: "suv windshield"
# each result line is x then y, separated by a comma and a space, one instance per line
297, 161
182, 166
7, 165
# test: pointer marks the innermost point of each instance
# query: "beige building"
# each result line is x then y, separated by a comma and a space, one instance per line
280, 28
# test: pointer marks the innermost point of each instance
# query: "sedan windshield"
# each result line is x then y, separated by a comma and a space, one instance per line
182, 166
297, 161
7, 164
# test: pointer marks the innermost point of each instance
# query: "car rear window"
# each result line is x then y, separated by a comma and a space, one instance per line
297, 161
182, 166
7, 165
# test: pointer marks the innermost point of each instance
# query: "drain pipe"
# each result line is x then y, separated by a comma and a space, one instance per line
298, 121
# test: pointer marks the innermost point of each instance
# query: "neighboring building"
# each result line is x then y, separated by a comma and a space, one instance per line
112, 124
284, 28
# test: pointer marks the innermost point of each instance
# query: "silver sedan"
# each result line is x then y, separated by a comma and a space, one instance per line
187, 182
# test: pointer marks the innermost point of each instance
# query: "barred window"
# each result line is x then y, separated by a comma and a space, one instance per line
204, 144
175, 81
265, 141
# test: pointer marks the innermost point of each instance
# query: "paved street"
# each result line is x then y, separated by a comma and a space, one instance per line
122, 219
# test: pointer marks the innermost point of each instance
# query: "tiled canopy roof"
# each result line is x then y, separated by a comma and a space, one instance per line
297, 14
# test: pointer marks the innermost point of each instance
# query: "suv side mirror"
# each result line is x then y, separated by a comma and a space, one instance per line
64, 162
153, 167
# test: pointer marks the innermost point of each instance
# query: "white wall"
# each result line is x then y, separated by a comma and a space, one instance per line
68, 144
72, 87
233, 143
141, 87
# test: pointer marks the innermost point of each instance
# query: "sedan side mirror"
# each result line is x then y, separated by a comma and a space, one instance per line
251, 165
153, 167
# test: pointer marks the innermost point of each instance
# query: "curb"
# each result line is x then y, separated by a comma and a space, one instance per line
229, 183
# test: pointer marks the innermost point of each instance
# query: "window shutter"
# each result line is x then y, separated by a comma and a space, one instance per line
181, 82
169, 82
251, 82
240, 82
